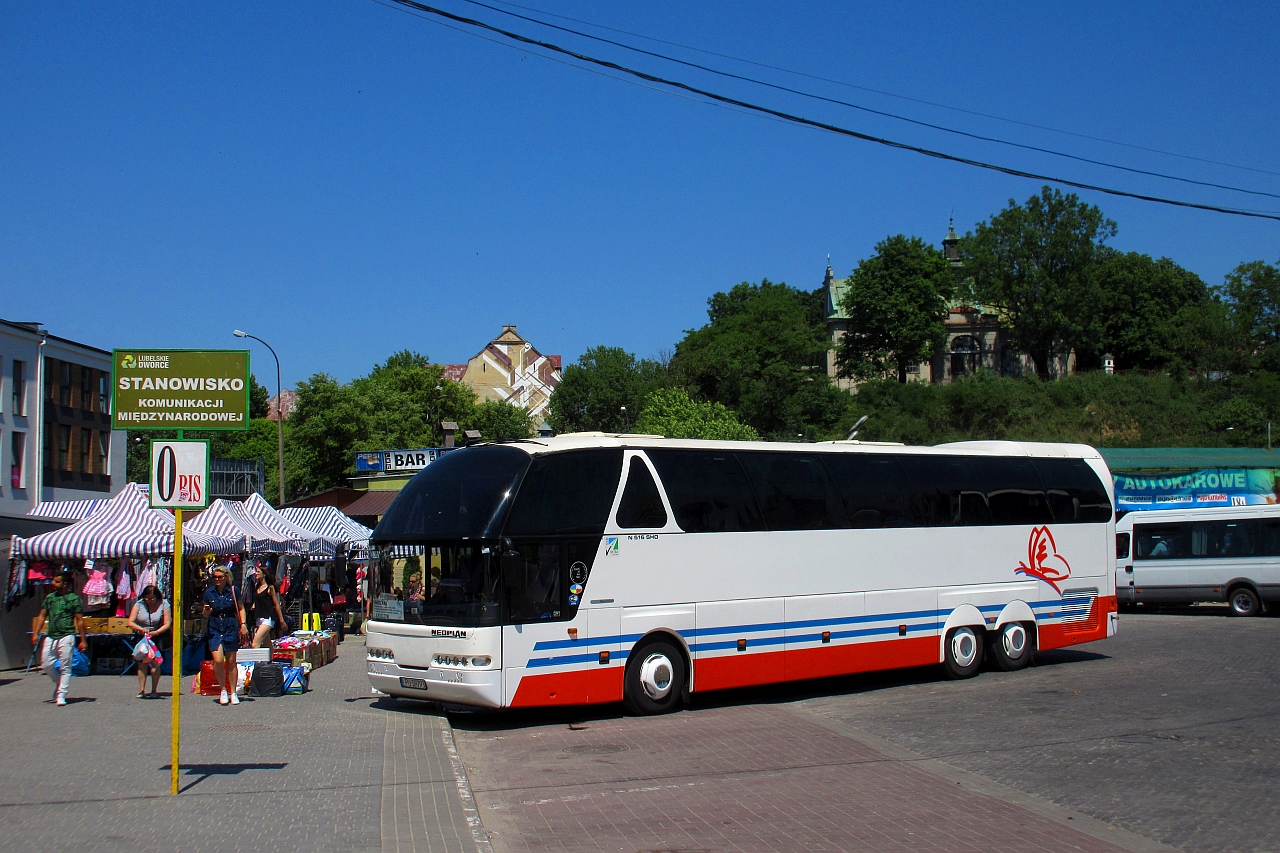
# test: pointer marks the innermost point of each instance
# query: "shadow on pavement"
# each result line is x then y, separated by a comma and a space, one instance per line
205, 771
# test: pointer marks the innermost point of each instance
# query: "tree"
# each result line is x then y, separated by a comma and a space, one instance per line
1031, 263
1130, 315
670, 412
330, 421
1253, 290
259, 398
407, 397
1205, 338
500, 421
763, 355
896, 301
592, 393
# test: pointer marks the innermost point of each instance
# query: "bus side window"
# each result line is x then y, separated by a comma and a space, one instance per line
1269, 538
708, 490
641, 505
1015, 491
948, 491
874, 489
1122, 546
566, 493
1231, 538
1162, 541
1075, 493
793, 490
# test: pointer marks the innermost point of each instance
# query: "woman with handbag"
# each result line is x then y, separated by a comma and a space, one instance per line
153, 619
226, 631
264, 602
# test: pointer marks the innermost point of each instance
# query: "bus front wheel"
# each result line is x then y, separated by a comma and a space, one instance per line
1244, 602
963, 653
654, 680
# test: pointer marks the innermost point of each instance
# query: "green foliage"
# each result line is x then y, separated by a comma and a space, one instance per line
1124, 410
763, 355
329, 424
670, 412
500, 421
592, 393
1032, 264
259, 398
406, 397
1254, 291
896, 301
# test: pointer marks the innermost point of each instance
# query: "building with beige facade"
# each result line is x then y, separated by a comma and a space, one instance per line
510, 369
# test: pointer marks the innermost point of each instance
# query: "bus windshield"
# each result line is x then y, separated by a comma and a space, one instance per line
462, 495
454, 583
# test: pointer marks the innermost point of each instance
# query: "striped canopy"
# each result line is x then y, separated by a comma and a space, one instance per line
126, 526
67, 510
228, 520
327, 521
266, 515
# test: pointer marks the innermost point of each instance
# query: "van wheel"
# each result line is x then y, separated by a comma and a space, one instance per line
963, 653
1010, 646
654, 680
1244, 602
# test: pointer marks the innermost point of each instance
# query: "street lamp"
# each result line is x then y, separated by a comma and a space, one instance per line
279, 406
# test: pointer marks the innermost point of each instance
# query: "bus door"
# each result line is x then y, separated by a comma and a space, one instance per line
1124, 568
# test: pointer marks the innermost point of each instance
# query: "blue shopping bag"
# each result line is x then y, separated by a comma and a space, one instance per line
79, 664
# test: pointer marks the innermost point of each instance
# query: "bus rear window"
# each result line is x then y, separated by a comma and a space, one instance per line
1074, 490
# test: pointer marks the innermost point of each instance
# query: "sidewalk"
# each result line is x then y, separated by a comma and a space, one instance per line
332, 770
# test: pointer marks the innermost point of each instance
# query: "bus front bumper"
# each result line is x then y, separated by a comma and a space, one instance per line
479, 687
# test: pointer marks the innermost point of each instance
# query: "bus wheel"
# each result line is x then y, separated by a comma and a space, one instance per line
963, 653
1010, 646
1244, 602
655, 679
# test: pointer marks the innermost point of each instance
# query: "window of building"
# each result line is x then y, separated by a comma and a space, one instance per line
708, 490
104, 395
64, 385
104, 452
641, 505
964, 356
19, 387
18, 448
86, 389
64, 447
86, 450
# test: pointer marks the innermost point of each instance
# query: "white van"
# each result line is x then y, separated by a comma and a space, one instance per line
1181, 556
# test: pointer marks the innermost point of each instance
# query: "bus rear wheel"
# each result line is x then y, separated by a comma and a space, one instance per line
654, 680
1011, 646
1244, 602
963, 653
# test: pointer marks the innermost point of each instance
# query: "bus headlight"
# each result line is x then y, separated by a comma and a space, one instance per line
380, 654
462, 660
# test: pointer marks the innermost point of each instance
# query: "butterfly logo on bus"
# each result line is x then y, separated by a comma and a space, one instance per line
1043, 560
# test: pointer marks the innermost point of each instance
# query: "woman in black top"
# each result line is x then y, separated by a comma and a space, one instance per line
265, 602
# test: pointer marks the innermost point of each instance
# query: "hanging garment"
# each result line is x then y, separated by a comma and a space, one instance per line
40, 572
124, 584
98, 583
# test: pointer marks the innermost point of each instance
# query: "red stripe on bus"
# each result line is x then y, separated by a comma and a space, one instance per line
1071, 633
727, 671
576, 687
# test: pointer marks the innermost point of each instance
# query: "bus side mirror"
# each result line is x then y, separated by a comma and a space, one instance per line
512, 569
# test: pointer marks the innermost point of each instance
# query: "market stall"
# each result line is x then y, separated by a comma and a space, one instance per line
229, 520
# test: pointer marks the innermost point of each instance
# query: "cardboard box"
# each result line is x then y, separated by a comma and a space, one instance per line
118, 625
95, 625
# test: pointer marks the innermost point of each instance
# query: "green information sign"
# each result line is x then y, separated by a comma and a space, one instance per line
179, 389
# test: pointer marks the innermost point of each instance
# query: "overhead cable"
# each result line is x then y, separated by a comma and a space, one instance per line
831, 128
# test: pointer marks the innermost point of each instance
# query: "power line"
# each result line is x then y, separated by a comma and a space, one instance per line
897, 95
831, 128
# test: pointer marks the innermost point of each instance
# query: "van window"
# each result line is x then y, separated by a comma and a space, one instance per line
793, 490
1229, 538
1269, 537
1162, 541
1122, 546
708, 490
1075, 493
874, 489
948, 492
566, 493
1015, 491
641, 505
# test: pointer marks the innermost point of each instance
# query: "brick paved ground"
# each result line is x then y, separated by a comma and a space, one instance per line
1163, 734
329, 771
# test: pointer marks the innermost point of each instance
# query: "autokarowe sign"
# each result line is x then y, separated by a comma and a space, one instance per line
180, 389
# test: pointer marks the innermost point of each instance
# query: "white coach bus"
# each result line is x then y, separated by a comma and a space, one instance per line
1185, 556
595, 568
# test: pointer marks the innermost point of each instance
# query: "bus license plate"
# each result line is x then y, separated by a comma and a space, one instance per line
413, 683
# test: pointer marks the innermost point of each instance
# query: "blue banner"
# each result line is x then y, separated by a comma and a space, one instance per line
1204, 488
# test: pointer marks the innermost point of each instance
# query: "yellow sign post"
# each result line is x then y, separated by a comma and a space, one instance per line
175, 715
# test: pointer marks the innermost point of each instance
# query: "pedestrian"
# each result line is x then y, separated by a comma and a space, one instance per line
226, 631
264, 602
153, 619
60, 618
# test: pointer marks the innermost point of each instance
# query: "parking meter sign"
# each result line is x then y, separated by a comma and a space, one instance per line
180, 474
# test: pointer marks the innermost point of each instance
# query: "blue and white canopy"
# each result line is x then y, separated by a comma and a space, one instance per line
229, 520
266, 515
67, 510
126, 526
328, 521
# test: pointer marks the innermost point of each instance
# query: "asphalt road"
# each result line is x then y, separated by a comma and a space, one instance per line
1165, 734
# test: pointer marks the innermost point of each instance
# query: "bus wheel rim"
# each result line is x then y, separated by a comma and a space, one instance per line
1242, 601
1014, 639
656, 676
964, 647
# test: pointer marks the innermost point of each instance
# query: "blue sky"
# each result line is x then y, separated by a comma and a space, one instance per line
346, 180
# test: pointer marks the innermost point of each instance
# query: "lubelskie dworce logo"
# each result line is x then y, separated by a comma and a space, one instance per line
127, 360
1043, 560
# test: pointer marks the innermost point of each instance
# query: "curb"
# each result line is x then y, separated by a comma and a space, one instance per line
469, 810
